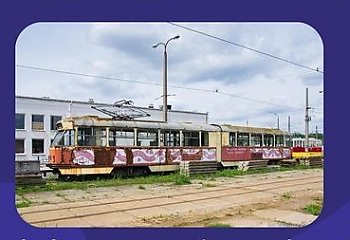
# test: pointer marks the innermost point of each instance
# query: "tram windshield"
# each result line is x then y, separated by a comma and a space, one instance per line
64, 138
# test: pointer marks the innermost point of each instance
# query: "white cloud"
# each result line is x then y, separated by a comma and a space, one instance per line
124, 51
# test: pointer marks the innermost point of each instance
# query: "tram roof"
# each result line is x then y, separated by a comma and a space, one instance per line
95, 121
109, 122
248, 129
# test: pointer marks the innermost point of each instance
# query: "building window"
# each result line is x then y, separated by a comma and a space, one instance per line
37, 146
19, 145
53, 121
37, 122
20, 121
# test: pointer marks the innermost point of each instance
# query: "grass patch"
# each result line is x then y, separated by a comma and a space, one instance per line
60, 195
182, 180
313, 208
219, 225
209, 185
23, 204
55, 185
286, 196
236, 173
142, 187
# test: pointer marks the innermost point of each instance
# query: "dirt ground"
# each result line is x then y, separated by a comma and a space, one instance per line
259, 200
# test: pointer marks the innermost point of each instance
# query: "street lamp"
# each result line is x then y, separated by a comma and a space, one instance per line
165, 77
278, 120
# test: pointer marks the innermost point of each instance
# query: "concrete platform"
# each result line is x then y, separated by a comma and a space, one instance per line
285, 216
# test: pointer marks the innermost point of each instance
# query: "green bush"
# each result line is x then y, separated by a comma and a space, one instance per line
313, 208
182, 180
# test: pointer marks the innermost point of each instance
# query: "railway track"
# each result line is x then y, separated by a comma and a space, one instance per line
55, 216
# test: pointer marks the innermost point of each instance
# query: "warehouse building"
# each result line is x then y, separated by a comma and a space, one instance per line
36, 121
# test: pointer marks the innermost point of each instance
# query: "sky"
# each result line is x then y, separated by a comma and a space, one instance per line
240, 73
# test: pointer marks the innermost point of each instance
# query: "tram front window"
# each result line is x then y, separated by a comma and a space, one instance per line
64, 138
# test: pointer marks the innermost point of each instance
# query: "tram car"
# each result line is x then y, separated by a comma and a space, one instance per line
300, 153
93, 145
242, 146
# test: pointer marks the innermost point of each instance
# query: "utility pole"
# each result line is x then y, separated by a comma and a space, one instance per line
278, 120
165, 77
289, 124
307, 120
289, 135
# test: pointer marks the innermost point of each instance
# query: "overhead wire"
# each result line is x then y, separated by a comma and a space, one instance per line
189, 88
216, 91
245, 47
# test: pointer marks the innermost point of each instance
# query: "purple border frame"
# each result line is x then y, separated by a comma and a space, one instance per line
328, 18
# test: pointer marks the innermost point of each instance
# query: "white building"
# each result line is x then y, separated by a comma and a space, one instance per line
36, 122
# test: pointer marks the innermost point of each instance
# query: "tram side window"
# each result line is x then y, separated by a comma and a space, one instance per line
147, 138
288, 141
86, 137
120, 137
205, 139
232, 139
256, 140
268, 140
191, 138
170, 138
279, 140
100, 136
243, 139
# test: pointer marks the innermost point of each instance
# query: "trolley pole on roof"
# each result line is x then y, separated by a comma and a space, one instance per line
165, 77
307, 120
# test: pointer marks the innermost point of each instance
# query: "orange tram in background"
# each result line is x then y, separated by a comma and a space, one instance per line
91, 145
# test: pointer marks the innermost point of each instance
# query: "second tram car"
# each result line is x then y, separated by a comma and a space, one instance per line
92, 145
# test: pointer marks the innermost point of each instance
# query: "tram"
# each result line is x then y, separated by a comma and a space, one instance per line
92, 145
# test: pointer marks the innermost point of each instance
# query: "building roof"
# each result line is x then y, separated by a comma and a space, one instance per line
91, 102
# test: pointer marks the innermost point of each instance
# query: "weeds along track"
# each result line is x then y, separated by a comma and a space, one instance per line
208, 190
79, 211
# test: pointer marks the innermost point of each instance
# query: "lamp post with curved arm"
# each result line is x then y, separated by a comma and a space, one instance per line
278, 120
165, 77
